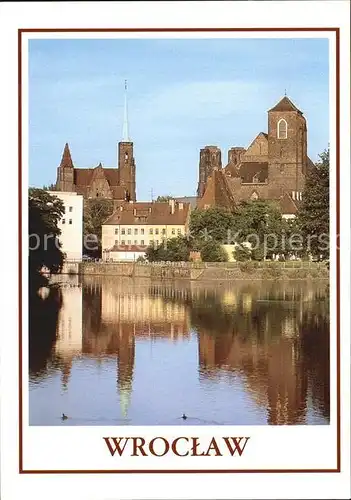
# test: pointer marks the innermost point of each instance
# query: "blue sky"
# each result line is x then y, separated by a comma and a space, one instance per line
183, 94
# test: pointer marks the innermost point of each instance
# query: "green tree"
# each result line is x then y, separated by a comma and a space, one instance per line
50, 187
242, 253
213, 223
261, 224
174, 250
96, 211
212, 251
164, 198
44, 212
313, 216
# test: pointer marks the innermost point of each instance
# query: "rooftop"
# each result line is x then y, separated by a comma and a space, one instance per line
150, 213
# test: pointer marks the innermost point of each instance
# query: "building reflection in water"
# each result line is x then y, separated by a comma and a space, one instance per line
279, 344
69, 339
274, 337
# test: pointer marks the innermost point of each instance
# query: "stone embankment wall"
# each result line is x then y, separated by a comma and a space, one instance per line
206, 271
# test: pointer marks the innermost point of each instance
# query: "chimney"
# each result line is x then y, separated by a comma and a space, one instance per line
172, 205
181, 206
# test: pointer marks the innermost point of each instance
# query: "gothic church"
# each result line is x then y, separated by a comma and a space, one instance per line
273, 167
111, 183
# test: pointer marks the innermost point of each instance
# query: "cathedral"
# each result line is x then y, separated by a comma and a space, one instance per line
273, 167
116, 183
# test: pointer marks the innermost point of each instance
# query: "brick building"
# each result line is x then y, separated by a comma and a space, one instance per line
273, 167
117, 183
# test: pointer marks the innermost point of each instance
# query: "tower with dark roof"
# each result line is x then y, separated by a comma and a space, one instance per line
287, 146
210, 160
273, 167
65, 171
126, 162
117, 183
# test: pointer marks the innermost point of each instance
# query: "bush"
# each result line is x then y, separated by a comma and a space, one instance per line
242, 254
212, 251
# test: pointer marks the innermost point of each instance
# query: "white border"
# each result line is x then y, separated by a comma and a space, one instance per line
320, 451
265, 486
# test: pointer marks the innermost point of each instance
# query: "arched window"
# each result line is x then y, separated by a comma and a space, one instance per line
254, 196
282, 129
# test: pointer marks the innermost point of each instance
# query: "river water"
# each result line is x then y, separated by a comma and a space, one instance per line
114, 351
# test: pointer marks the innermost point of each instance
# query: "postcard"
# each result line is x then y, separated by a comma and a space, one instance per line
179, 324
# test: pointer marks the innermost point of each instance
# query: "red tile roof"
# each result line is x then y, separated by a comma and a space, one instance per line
285, 105
288, 205
217, 193
66, 160
128, 248
84, 176
149, 213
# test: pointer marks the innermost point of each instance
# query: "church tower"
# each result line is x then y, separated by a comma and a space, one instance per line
65, 172
210, 160
126, 162
287, 147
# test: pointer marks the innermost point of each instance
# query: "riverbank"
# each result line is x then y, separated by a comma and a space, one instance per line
214, 271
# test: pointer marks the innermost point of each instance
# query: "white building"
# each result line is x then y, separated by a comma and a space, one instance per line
71, 224
134, 226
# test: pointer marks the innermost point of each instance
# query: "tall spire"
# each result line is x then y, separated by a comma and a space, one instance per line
66, 160
125, 137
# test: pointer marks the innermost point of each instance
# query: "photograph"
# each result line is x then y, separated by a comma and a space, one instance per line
179, 230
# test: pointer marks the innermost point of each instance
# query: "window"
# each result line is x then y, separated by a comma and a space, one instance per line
151, 242
163, 231
142, 242
129, 242
71, 209
116, 231
141, 231
135, 231
151, 231
135, 242
179, 231
157, 242
129, 230
116, 242
123, 242
63, 221
156, 230
70, 221
123, 231
173, 230
254, 196
282, 129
